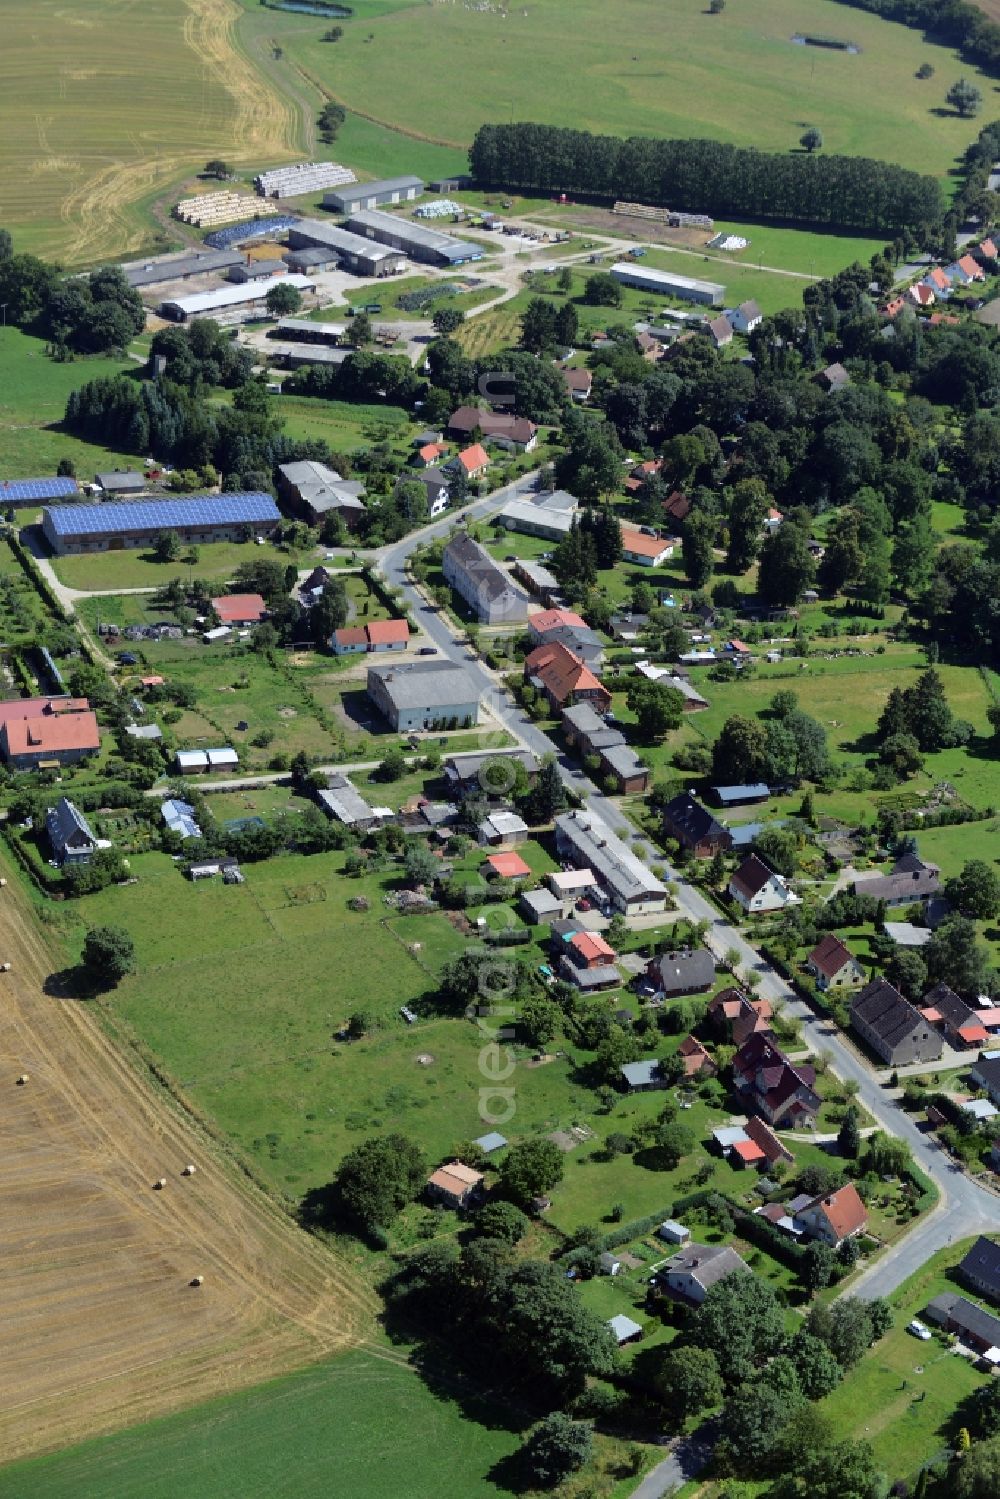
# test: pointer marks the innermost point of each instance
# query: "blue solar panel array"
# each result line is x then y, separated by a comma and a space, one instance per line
247, 508
221, 239
16, 490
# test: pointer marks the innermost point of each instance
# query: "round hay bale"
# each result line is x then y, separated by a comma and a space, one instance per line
198, 1280
23, 1079
189, 1170
159, 1184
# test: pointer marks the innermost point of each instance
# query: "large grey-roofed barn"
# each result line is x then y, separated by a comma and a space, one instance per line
414, 239
368, 194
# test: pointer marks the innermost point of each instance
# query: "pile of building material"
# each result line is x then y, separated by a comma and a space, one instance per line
208, 209
673, 217
306, 177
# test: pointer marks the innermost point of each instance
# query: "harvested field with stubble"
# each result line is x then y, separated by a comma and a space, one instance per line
102, 1328
105, 103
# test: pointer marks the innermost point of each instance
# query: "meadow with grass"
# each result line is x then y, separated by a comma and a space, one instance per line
737, 76
33, 393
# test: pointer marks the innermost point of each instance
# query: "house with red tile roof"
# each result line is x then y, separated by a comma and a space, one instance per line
472, 462
349, 640
833, 965
987, 249
49, 738
698, 1061
938, 281
589, 950
922, 295
387, 634
835, 1217
378, 635
455, 1184
507, 866
893, 307
547, 620
430, 454
646, 551
970, 269
240, 608
564, 678
731, 1006
746, 1153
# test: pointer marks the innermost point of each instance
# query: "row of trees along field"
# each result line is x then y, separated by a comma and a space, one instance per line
707, 177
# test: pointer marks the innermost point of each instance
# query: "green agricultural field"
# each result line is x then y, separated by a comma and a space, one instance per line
311, 1434
33, 394
106, 104
673, 72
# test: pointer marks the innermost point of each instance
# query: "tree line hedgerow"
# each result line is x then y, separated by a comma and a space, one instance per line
707, 176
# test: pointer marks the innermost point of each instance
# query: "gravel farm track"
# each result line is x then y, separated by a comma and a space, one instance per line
102, 1328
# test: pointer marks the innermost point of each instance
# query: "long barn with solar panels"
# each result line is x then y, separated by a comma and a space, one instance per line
113, 527
25, 491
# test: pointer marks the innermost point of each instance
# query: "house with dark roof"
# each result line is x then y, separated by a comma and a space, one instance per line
493, 776
579, 383
694, 826
834, 1217
515, 430
746, 317
892, 1027
684, 971
587, 732
833, 965
643, 1077
785, 1094
986, 1074
70, 835
958, 1022
482, 582
911, 879
313, 490
973, 1324
695, 1269
756, 888
980, 1268
739, 796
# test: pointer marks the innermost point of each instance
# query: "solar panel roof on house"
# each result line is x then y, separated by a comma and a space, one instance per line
37, 489
244, 508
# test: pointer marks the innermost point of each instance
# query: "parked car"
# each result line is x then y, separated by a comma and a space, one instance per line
919, 1330
427, 650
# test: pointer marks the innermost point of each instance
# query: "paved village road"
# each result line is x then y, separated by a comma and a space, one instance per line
964, 1208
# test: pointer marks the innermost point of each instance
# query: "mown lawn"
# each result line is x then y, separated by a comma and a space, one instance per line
110, 571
